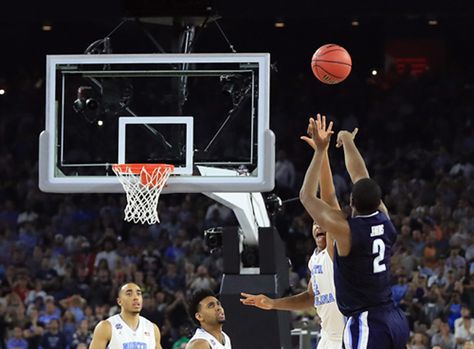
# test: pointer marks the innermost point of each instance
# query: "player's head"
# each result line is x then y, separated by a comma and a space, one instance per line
130, 298
319, 236
366, 196
205, 309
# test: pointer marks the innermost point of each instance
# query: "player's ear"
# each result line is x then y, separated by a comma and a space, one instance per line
198, 317
119, 302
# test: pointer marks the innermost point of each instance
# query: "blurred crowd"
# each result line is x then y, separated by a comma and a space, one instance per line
62, 257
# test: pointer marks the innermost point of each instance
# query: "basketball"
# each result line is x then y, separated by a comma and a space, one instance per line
331, 64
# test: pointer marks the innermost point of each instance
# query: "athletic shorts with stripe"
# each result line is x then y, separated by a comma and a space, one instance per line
377, 328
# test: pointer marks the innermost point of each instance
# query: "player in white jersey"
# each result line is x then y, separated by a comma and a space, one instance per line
127, 330
321, 290
206, 310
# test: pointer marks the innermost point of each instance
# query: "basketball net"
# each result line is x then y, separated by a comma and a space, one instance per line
142, 184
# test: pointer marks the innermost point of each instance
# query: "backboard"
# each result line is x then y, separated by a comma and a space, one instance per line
207, 114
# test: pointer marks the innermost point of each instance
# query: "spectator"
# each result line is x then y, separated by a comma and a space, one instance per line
433, 305
172, 281
17, 341
418, 341
34, 330
453, 309
444, 338
455, 261
75, 304
33, 294
464, 327
285, 173
108, 253
48, 276
53, 337
83, 335
202, 280
69, 326
101, 289
400, 290
50, 313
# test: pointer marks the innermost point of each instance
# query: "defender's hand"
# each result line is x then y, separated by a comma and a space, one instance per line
319, 134
260, 301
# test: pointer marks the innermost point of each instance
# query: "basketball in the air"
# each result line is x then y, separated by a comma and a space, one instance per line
331, 64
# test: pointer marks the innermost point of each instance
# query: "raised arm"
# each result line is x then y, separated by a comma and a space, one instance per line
328, 192
355, 163
328, 195
327, 189
329, 218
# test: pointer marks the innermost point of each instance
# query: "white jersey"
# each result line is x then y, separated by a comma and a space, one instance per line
322, 281
123, 337
213, 342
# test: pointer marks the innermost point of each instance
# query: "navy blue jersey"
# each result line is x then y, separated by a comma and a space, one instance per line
362, 278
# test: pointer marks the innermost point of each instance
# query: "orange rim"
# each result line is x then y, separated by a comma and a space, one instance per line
137, 168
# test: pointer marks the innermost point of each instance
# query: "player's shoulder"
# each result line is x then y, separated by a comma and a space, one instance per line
104, 324
103, 328
198, 343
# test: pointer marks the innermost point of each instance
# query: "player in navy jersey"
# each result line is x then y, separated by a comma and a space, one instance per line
321, 290
362, 248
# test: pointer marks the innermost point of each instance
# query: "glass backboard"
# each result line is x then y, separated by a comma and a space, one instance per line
207, 114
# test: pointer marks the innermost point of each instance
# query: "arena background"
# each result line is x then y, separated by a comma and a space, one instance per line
416, 133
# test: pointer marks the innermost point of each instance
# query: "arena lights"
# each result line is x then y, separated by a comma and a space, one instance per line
47, 27
100, 123
432, 22
279, 24
355, 23
374, 72
2, 91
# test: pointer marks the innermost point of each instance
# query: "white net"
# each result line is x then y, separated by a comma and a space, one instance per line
143, 184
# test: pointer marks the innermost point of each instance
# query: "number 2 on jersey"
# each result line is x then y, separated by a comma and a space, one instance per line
378, 247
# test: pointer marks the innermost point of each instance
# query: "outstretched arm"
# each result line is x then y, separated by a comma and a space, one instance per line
301, 301
329, 218
355, 163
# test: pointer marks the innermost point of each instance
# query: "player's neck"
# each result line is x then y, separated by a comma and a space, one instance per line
131, 319
216, 332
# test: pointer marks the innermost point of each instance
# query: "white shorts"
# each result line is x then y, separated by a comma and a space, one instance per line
326, 343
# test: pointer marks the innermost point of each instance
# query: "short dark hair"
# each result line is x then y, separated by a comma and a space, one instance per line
196, 298
366, 196
126, 283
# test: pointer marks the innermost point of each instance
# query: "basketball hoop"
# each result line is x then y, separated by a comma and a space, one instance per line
142, 184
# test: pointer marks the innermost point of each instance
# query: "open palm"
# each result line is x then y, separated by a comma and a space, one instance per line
318, 134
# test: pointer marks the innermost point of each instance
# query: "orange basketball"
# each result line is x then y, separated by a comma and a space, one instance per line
331, 64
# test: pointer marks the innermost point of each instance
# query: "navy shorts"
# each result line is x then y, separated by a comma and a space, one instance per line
377, 328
